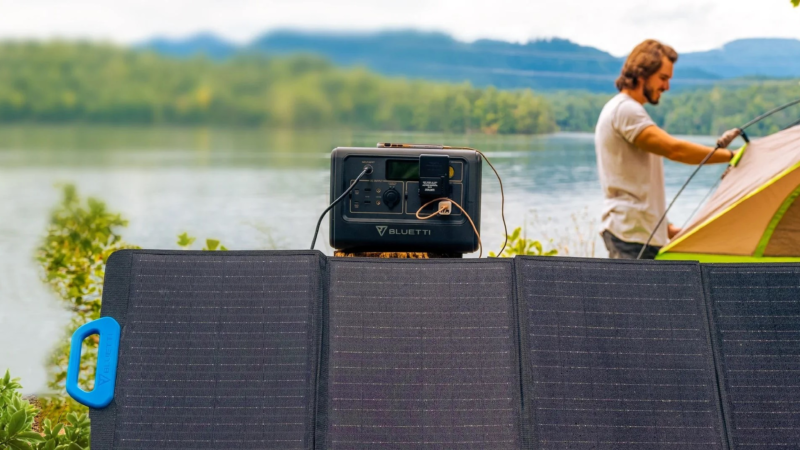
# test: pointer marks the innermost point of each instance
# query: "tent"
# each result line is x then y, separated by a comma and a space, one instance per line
754, 216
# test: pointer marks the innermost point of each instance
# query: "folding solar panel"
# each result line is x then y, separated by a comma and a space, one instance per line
421, 354
616, 355
756, 312
292, 350
217, 350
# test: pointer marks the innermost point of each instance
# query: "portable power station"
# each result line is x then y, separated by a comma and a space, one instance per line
381, 211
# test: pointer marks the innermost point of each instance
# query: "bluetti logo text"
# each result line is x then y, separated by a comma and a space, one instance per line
102, 376
407, 232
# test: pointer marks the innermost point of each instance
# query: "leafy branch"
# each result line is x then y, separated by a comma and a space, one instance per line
185, 242
519, 244
80, 238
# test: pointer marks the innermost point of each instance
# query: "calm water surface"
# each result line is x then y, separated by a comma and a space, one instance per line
256, 189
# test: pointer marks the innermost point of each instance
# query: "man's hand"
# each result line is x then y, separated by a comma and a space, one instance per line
672, 231
725, 140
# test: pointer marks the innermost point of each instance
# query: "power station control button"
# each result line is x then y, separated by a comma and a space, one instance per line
391, 198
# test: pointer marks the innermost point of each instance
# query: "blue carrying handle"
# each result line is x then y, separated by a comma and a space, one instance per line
107, 354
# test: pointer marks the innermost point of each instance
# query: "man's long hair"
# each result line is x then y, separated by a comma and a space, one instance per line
645, 60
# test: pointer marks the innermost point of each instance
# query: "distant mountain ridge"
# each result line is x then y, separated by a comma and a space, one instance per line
204, 43
765, 57
551, 64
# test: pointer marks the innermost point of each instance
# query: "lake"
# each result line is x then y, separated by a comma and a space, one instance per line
258, 189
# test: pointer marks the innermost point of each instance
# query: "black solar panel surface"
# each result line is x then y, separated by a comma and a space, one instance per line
616, 356
218, 351
422, 355
756, 310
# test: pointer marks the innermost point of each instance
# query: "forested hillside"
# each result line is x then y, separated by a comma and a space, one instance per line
78, 82
61, 82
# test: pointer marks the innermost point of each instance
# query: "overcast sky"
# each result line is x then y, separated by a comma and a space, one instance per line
611, 25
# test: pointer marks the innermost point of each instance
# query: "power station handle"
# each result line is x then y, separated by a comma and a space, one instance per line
107, 353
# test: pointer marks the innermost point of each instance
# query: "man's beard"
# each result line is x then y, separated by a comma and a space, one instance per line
648, 94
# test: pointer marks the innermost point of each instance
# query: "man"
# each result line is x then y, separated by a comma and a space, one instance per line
630, 148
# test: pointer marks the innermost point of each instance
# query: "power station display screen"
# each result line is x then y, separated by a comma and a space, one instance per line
402, 170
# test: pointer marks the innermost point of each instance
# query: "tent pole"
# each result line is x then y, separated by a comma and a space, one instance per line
793, 125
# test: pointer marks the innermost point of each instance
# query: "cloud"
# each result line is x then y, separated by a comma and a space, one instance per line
671, 14
612, 25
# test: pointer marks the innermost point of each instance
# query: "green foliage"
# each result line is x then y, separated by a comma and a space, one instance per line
185, 241
712, 111
78, 82
796, 3
76, 434
81, 82
577, 111
706, 111
213, 245
80, 238
520, 245
17, 418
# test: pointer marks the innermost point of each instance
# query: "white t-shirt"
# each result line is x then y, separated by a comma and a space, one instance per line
632, 179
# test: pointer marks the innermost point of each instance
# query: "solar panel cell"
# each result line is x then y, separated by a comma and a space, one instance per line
756, 310
422, 355
218, 351
616, 355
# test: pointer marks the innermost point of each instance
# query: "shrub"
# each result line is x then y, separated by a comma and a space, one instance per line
16, 423
80, 238
519, 244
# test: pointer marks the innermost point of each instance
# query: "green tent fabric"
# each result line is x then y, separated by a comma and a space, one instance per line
754, 215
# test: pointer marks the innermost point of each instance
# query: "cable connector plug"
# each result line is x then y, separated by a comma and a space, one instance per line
445, 207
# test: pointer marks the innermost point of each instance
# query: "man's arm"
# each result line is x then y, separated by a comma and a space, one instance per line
655, 140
